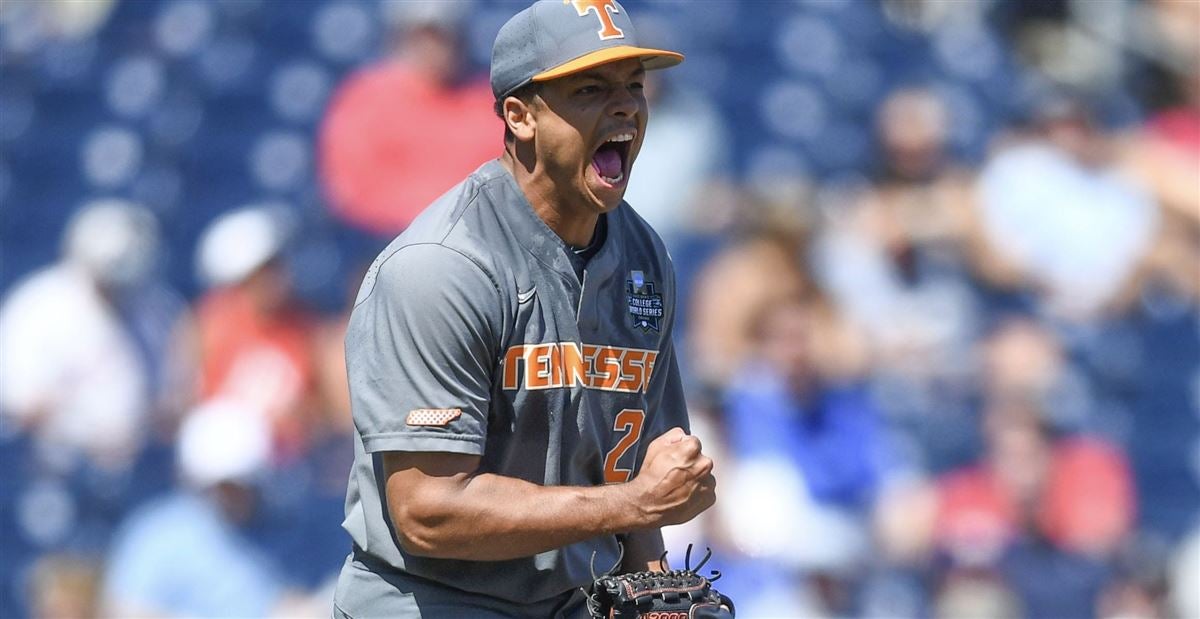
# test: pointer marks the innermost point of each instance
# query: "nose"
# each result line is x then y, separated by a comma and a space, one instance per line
623, 103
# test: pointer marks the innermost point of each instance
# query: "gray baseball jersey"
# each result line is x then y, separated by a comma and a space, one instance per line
473, 333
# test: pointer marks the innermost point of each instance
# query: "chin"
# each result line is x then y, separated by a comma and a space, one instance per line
605, 196
606, 204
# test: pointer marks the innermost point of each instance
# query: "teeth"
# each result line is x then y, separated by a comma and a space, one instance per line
614, 181
624, 137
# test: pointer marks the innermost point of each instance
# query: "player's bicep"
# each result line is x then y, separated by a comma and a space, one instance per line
420, 351
421, 490
413, 477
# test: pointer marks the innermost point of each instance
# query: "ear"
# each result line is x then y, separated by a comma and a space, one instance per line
518, 115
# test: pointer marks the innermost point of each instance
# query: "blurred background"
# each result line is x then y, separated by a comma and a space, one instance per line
939, 265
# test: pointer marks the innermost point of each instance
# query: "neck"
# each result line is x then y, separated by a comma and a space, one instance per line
575, 226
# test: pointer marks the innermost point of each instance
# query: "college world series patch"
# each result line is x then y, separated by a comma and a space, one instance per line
645, 305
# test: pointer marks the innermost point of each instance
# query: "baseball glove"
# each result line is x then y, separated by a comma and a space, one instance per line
676, 594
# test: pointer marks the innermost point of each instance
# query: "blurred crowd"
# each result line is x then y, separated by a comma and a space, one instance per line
940, 267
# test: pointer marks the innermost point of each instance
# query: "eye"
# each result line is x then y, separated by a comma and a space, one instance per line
636, 86
590, 89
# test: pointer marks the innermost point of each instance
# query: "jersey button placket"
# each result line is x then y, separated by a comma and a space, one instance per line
586, 317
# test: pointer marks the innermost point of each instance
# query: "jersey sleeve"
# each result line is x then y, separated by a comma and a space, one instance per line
666, 405
420, 350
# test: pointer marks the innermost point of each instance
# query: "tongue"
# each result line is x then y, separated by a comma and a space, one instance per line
607, 162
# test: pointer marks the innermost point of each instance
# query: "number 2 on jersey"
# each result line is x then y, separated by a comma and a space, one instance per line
630, 422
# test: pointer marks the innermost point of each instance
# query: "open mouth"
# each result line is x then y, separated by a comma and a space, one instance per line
611, 158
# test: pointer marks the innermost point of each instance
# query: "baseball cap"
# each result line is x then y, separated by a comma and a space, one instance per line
237, 243
556, 38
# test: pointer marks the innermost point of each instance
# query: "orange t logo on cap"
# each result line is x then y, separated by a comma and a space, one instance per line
602, 8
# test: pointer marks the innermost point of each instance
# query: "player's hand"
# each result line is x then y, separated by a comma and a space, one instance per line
675, 482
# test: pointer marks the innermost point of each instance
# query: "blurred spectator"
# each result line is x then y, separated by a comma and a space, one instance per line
64, 587
809, 450
896, 261
791, 401
1023, 362
186, 554
254, 343
1075, 491
1080, 232
400, 133
685, 152
1043, 514
83, 380
1046, 509
760, 270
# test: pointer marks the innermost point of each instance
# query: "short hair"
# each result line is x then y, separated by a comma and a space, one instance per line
525, 93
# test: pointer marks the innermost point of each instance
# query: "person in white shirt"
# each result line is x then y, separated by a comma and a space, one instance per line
71, 371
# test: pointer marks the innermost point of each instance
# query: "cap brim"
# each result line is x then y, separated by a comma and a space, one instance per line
651, 59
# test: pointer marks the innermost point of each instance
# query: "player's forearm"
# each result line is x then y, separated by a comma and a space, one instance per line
494, 518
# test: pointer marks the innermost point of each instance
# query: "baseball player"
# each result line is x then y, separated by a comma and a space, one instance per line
518, 407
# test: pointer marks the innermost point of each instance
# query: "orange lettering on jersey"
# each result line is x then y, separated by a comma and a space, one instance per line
604, 10
631, 371
556, 365
649, 364
511, 357
567, 364
589, 359
608, 360
629, 421
537, 367
574, 372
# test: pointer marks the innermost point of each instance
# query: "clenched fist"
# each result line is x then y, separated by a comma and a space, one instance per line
675, 482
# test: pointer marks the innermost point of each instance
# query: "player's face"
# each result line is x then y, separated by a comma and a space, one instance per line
590, 128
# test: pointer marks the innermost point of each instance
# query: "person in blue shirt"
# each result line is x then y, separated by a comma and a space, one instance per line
188, 554
807, 446
786, 404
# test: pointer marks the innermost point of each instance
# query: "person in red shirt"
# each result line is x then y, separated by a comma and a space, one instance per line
1075, 490
254, 343
402, 132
